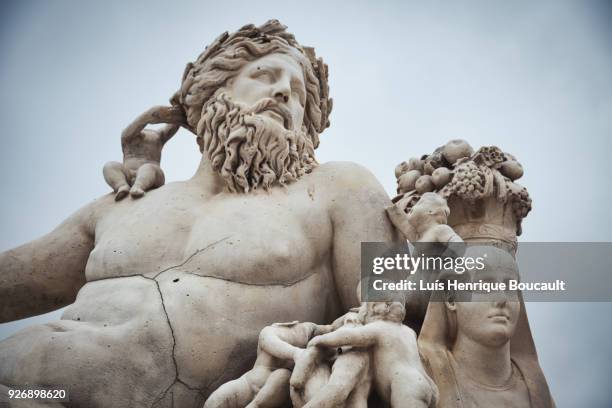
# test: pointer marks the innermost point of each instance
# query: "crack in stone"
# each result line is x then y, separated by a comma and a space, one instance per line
161, 397
284, 285
198, 390
190, 257
176, 371
185, 262
161, 296
177, 381
117, 277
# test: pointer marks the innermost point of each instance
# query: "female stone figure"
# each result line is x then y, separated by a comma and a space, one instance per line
480, 353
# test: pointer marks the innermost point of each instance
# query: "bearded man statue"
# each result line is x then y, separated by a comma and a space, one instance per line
255, 134
167, 293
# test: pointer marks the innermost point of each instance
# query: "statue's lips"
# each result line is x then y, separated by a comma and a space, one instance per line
500, 317
279, 115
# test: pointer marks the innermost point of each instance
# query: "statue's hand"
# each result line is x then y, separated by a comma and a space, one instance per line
304, 364
401, 221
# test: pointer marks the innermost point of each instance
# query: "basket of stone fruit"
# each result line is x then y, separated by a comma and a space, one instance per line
456, 171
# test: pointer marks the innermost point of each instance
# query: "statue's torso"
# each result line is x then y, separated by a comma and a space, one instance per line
268, 238
178, 279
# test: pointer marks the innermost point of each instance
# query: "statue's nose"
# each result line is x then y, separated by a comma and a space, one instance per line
281, 90
281, 97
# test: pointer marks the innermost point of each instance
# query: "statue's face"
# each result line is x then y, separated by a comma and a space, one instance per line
277, 76
426, 210
417, 213
490, 318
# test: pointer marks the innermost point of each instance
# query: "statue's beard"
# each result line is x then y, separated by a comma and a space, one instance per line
251, 150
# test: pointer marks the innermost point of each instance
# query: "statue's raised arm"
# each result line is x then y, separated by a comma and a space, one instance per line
142, 148
173, 116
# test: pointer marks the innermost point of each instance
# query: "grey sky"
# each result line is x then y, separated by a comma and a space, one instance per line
531, 77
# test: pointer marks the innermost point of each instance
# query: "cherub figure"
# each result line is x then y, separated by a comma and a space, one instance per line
267, 383
426, 220
425, 226
350, 380
398, 375
140, 170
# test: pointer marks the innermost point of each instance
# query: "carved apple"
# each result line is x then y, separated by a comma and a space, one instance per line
424, 184
441, 176
407, 181
428, 168
511, 169
401, 169
456, 149
415, 164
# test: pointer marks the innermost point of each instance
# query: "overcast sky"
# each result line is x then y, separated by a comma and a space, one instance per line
531, 77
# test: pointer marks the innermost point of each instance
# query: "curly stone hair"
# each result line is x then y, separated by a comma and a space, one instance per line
224, 58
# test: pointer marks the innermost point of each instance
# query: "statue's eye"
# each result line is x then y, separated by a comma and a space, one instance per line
263, 75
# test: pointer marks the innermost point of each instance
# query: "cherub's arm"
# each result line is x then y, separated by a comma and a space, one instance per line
273, 344
346, 336
400, 219
167, 132
323, 329
157, 114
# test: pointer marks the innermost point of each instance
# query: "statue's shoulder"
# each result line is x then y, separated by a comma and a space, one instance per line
106, 206
350, 187
345, 174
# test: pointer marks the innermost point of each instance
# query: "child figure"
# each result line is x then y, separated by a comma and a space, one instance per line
398, 375
350, 380
426, 220
140, 170
267, 383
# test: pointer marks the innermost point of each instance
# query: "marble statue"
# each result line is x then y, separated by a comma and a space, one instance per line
397, 374
142, 148
350, 380
468, 346
487, 207
485, 201
267, 383
167, 294
425, 225
172, 296
426, 221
